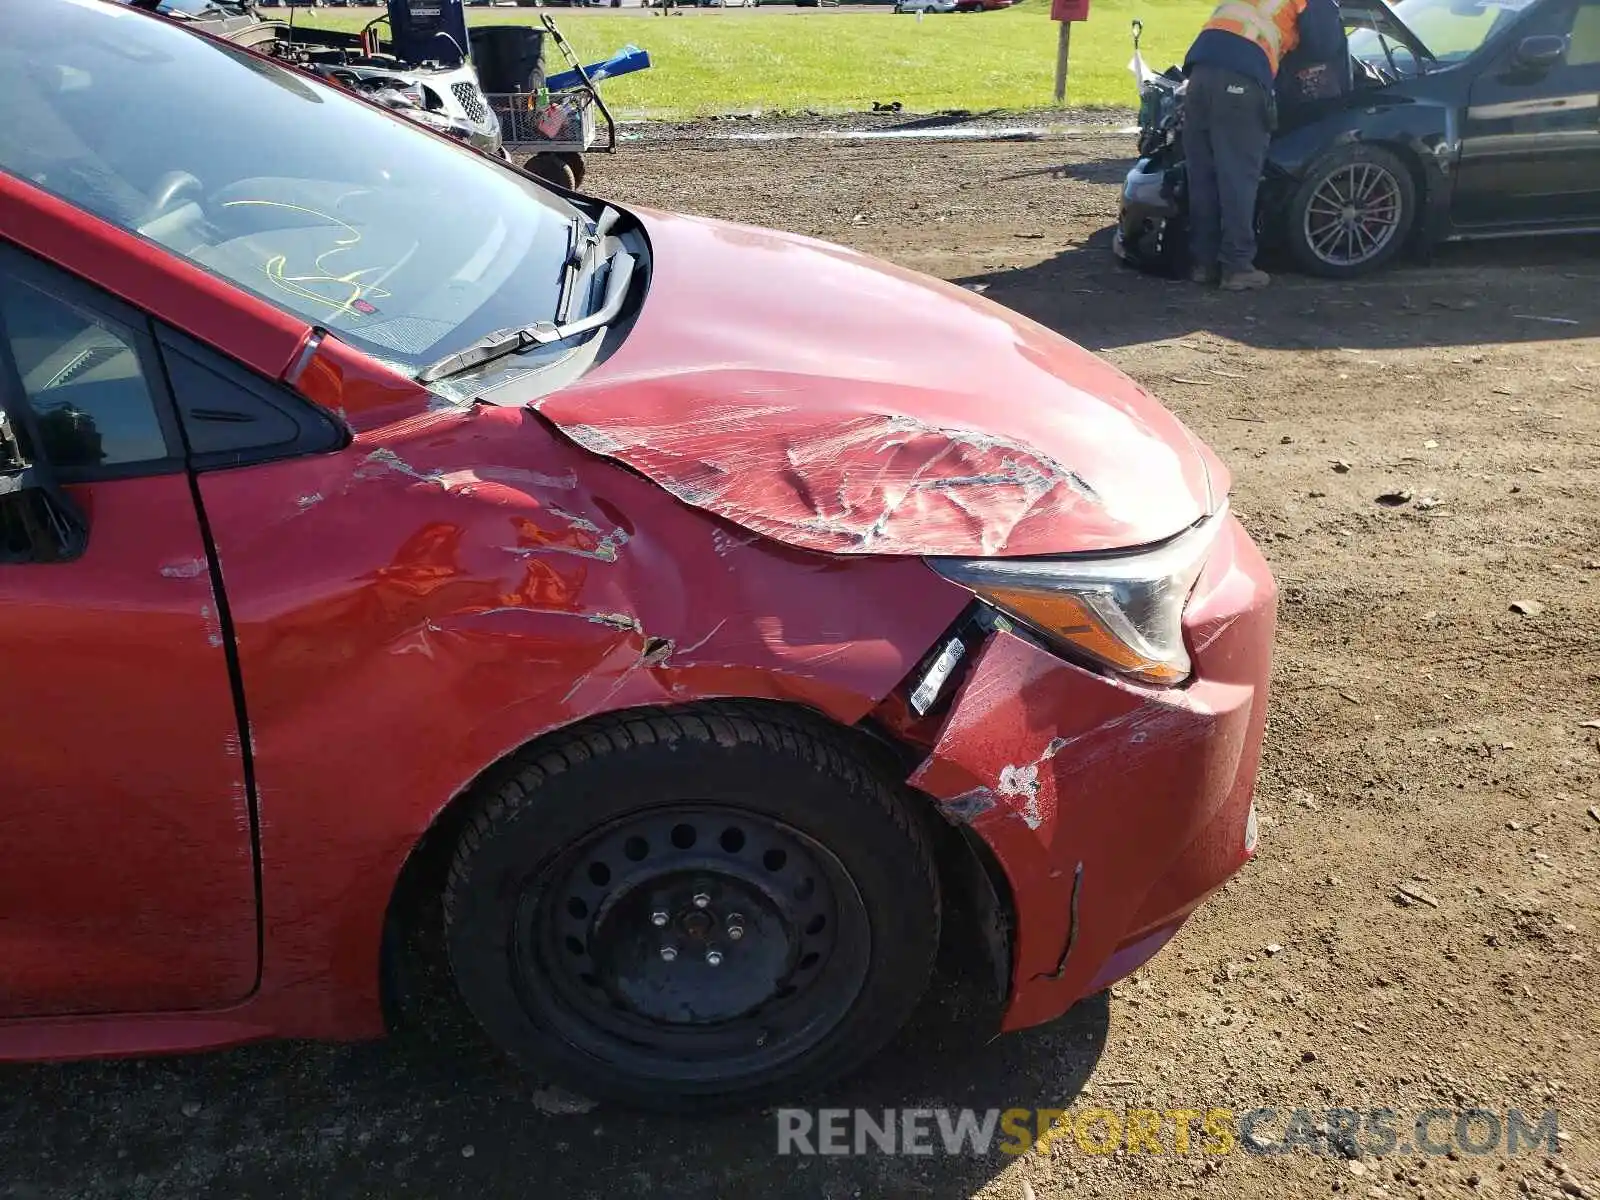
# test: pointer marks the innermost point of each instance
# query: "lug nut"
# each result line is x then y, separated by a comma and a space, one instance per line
668, 953
714, 957
735, 926
658, 919
702, 900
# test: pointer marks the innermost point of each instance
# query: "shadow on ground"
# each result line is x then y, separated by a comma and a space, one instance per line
436, 1114
1088, 170
1517, 290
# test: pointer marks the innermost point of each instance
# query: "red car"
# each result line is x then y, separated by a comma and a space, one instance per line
692, 613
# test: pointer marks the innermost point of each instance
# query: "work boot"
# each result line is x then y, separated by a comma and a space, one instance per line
1205, 276
1245, 281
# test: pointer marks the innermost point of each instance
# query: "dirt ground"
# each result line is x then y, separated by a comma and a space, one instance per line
1424, 735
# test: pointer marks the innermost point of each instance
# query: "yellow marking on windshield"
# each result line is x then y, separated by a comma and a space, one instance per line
295, 285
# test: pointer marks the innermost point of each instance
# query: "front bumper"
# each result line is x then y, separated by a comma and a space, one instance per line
1151, 234
1114, 810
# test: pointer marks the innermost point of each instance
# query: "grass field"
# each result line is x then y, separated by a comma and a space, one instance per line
741, 61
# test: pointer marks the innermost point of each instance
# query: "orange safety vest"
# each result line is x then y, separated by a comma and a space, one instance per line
1274, 25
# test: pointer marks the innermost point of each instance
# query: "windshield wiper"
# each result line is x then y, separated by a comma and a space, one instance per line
579, 249
502, 342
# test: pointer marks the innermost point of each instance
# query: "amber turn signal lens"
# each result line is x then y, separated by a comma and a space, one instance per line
1124, 612
1067, 619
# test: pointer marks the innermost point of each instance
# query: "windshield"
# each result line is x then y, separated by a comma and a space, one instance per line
1452, 29
201, 8
402, 243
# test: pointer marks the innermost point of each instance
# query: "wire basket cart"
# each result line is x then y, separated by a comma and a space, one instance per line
549, 131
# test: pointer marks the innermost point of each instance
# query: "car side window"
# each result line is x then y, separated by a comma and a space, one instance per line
83, 374
1584, 48
232, 418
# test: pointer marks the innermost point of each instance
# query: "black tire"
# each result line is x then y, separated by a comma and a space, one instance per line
557, 168
769, 810
576, 167
1345, 170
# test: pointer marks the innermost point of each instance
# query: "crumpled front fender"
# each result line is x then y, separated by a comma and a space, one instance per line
1113, 810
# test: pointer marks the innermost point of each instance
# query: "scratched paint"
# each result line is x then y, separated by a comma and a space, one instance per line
435, 616
213, 624
603, 547
188, 569
1022, 783
967, 431
1158, 726
968, 806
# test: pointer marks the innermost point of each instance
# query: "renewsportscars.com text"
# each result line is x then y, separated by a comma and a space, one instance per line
1348, 1132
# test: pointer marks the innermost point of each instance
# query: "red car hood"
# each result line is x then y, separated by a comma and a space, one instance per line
834, 402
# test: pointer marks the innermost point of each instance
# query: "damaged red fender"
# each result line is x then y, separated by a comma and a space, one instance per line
1113, 810
404, 621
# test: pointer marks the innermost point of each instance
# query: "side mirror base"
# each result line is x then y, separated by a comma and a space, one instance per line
39, 523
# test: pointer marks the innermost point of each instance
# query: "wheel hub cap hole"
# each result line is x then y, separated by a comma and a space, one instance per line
696, 924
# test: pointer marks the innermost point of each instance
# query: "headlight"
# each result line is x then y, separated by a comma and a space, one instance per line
1124, 611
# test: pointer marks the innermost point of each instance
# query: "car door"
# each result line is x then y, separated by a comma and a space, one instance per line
127, 861
1530, 143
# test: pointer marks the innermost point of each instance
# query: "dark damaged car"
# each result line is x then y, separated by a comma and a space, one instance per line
642, 603
1459, 119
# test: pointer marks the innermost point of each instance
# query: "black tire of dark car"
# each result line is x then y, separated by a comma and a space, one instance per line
693, 909
1352, 213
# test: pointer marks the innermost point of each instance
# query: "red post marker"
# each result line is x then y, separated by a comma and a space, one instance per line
1065, 12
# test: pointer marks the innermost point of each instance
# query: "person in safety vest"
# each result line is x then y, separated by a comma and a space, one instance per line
1228, 119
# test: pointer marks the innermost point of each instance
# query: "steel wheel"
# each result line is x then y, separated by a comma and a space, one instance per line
1353, 214
693, 908
693, 940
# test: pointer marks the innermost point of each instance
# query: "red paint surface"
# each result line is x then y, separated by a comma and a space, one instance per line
457, 582
365, 393
126, 876
902, 416
1149, 790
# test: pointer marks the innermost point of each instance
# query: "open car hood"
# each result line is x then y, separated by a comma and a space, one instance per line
833, 402
1378, 16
